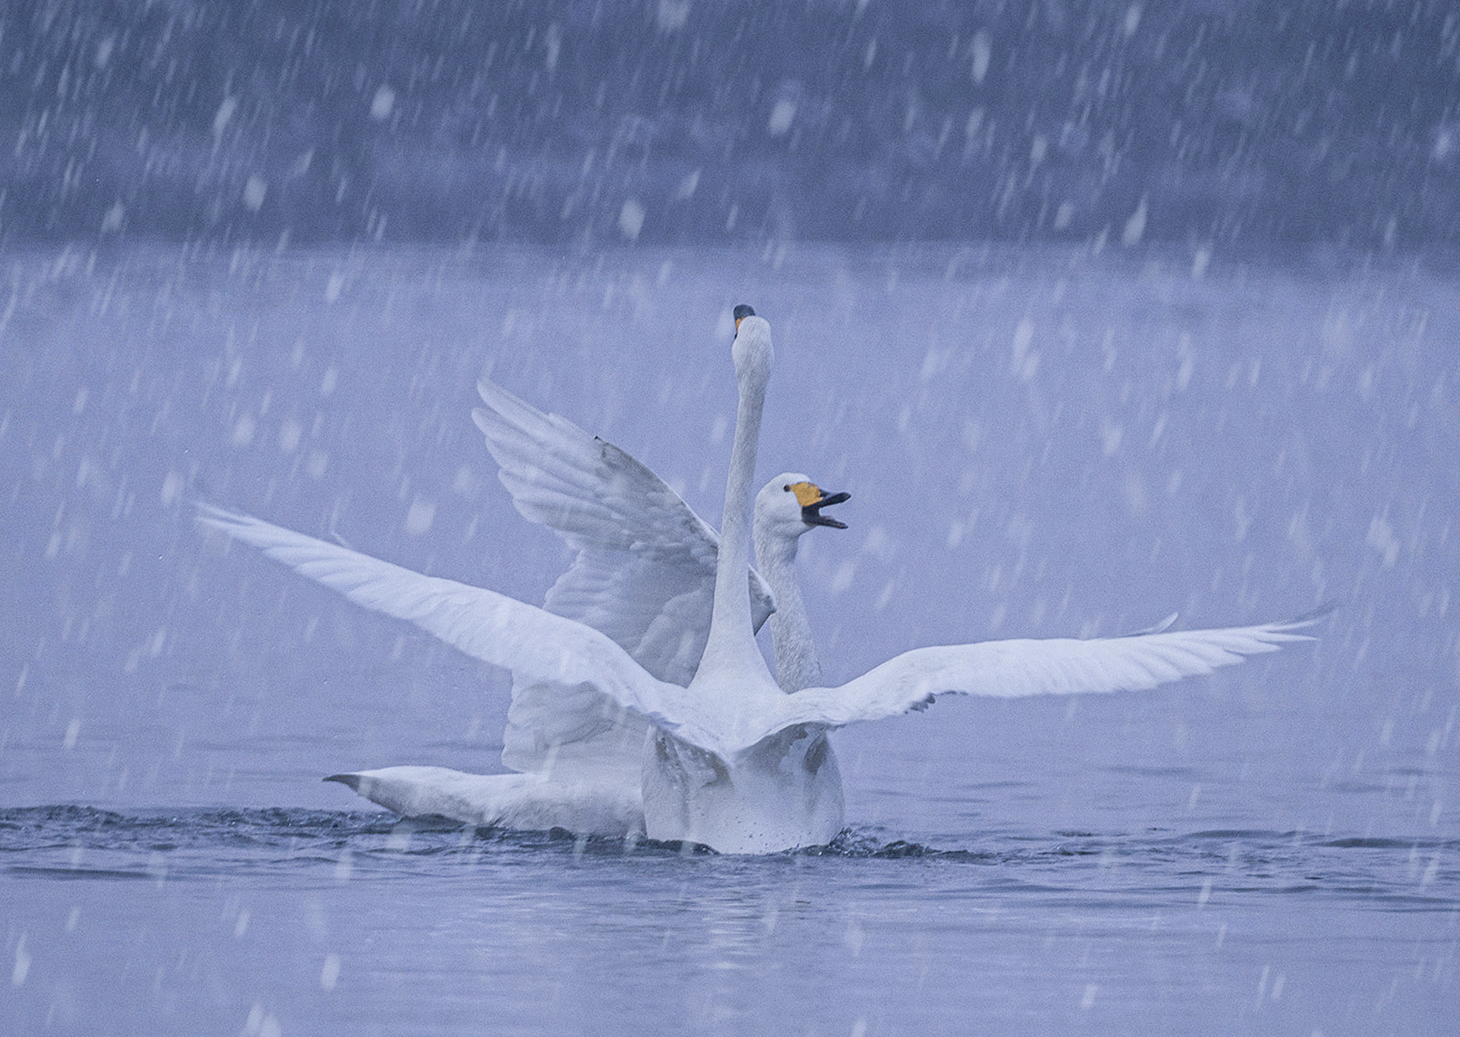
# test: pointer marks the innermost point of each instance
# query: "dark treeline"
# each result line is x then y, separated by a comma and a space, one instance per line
1241, 122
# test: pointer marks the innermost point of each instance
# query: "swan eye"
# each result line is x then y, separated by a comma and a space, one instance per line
786, 488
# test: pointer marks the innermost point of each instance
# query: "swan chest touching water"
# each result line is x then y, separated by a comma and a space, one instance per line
784, 792
779, 791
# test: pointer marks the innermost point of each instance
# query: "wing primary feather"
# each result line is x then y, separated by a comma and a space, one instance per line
532, 643
1017, 668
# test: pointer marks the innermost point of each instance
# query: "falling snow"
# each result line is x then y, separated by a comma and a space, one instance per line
1101, 310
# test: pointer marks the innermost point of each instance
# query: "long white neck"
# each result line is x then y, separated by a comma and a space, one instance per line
730, 646
797, 665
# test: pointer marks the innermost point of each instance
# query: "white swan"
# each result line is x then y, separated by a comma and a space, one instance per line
644, 574
579, 754
735, 762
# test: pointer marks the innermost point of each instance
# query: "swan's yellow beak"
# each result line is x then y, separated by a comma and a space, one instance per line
812, 499
741, 312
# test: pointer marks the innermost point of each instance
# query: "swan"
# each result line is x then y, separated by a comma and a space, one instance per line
578, 754
644, 574
733, 761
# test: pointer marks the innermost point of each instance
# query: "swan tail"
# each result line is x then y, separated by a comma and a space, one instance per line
526, 802
427, 792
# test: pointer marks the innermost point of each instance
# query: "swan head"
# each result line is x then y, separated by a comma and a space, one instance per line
752, 348
790, 505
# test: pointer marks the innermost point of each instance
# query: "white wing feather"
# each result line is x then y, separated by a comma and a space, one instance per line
1011, 669
644, 574
567, 658
561, 655
645, 569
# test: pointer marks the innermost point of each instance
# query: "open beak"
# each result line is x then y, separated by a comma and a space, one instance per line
812, 516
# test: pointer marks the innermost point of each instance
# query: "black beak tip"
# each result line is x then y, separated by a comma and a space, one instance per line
812, 516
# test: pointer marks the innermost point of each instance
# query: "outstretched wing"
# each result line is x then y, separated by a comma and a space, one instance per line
539, 648
645, 569
1010, 669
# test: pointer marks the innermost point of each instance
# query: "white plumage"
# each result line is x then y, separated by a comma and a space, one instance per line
733, 761
644, 574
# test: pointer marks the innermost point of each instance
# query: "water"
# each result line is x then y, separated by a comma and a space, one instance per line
302, 921
1038, 443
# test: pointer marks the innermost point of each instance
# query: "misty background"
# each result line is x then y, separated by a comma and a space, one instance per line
1236, 123
1099, 310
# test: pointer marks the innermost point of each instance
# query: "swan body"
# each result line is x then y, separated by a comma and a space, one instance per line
780, 791
644, 574
578, 753
732, 760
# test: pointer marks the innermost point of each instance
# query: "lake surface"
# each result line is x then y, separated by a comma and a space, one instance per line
1037, 443
296, 921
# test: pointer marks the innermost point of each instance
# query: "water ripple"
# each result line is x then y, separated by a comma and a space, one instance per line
1391, 873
